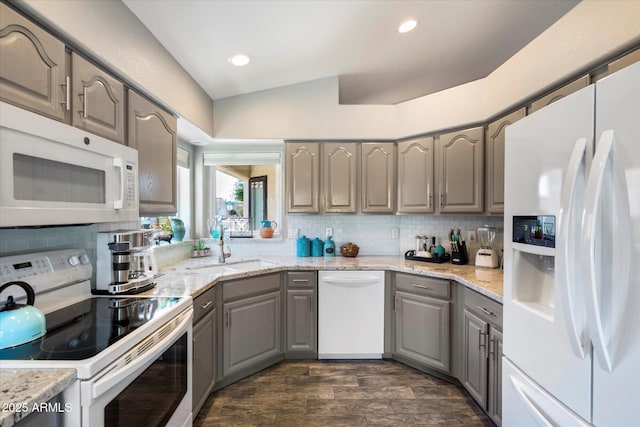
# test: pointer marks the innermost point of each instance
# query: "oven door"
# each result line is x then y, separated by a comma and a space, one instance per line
53, 173
148, 386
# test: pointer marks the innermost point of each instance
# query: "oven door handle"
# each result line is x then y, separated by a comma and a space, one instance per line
146, 353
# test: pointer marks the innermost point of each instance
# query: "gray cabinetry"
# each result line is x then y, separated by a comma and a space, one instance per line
494, 178
339, 170
303, 177
559, 93
301, 315
98, 103
377, 179
481, 371
422, 321
460, 169
252, 324
153, 132
204, 347
415, 175
33, 68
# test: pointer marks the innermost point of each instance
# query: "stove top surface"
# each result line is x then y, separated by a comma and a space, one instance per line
82, 330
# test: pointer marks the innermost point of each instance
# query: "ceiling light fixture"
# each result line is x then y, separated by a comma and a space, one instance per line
407, 26
239, 60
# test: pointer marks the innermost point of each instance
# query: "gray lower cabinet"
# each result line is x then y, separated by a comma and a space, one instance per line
422, 328
252, 323
204, 347
98, 101
153, 132
301, 315
33, 69
481, 371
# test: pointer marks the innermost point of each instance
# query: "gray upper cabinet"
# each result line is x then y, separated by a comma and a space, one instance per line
33, 69
339, 170
559, 93
494, 178
303, 177
620, 63
378, 171
98, 101
460, 168
152, 131
415, 176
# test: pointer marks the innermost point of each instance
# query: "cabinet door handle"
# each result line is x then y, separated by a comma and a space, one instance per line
485, 311
395, 304
442, 200
84, 102
228, 319
300, 280
492, 344
430, 200
207, 305
67, 93
482, 339
420, 286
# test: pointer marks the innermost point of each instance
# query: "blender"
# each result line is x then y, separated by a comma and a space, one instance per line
487, 256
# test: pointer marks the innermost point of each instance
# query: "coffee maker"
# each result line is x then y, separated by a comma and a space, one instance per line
125, 262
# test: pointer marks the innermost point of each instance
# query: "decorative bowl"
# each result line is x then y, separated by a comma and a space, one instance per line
349, 250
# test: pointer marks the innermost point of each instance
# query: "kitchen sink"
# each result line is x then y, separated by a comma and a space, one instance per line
231, 267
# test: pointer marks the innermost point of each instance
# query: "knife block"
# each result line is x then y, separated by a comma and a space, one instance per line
460, 257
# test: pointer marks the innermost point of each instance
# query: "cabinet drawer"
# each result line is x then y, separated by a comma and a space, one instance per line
422, 285
251, 286
204, 304
301, 279
484, 307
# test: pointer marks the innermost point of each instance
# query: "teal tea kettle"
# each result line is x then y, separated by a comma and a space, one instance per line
20, 323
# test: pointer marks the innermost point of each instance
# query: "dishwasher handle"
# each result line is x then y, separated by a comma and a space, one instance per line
364, 280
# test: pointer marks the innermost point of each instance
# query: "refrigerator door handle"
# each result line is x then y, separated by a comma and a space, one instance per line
565, 260
528, 399
602, 344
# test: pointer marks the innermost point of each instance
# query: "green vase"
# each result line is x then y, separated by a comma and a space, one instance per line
177, 226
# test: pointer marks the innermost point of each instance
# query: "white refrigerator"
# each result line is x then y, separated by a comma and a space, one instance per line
572, 260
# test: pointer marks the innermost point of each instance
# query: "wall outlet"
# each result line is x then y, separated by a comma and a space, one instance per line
394, 233
328, 231
292, 233
471, 236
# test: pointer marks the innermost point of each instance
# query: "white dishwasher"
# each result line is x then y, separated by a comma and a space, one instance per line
350, 314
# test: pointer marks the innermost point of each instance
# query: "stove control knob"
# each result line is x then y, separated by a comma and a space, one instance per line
74, 260
84, 259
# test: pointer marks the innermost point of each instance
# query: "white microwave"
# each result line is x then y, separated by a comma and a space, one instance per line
52, 173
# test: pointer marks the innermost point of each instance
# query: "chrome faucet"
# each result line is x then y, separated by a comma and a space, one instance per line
222, 255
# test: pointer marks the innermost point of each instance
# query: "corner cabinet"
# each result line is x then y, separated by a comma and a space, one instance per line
378, 177
152, 131
415, 176
303, 177
482, 352
494, 178
301, 315
33, 70
422, 321
339, 173
460, 168
252, 324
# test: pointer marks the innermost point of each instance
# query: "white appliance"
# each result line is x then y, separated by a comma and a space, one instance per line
350, 314
487, 256
132, 355
52, 173
571, 317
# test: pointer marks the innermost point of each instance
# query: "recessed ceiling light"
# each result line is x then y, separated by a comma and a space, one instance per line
239, 60
407, 26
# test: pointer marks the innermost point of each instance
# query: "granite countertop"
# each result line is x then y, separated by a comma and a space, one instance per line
22, 390
188, 278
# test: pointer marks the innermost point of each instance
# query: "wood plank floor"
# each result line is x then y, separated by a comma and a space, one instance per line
328, 393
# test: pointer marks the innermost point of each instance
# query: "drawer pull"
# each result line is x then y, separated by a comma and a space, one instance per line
300, 280
207, 305
485, 311
420, 286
